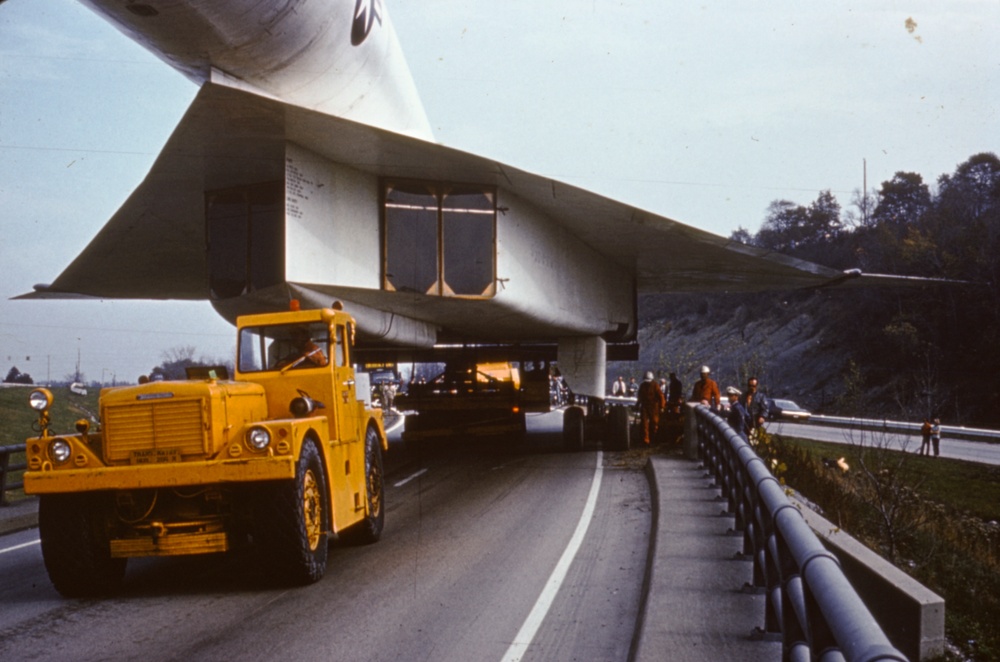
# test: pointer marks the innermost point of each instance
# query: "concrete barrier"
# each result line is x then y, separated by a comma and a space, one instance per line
909, 613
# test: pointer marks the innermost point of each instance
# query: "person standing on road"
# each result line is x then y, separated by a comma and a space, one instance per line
651, 402
925, 438
675, 390
619, 388
755, 404
738, 418
936, 436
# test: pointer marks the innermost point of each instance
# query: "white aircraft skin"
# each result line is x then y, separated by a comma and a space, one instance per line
341, 58
315, 95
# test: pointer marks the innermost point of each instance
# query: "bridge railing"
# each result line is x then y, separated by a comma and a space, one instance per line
809, 601
6, 468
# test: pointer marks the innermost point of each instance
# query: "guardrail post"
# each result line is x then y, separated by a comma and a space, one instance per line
5, 468
4, 463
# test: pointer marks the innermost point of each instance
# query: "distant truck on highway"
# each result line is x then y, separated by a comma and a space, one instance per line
283, 456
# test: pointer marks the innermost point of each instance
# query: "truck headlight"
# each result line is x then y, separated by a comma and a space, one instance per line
258, 438
40, 399
60, 450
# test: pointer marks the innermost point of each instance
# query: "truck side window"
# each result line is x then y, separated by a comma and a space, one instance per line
340, 356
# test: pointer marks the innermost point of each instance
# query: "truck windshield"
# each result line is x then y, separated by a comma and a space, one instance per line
284, 347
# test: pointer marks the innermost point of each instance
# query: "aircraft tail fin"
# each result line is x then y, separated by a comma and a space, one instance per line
339, 58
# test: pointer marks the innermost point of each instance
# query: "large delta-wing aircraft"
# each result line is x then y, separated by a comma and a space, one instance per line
305, 169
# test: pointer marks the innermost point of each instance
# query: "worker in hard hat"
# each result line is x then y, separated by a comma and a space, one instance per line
706, 390
651, 401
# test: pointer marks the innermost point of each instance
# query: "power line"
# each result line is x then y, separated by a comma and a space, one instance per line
77, 327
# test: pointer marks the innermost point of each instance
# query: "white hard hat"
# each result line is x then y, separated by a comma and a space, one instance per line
705, 369
649, 375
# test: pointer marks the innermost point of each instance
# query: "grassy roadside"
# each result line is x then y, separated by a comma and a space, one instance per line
970, 487
18, 421
935, 518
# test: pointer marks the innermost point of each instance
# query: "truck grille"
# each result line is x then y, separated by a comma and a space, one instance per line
174, 427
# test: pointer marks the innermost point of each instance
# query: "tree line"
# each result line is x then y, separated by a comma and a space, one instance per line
933, 343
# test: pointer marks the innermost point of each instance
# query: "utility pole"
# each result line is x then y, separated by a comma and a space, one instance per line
864, 193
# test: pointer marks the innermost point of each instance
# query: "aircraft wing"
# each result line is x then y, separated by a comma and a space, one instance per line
154, 245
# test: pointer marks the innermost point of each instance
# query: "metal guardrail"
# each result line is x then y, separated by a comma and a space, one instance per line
809, 601
6, 467
950, 431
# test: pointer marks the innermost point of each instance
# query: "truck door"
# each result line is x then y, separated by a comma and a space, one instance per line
344, 388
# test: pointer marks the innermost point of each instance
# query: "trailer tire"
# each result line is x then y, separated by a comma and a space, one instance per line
76, 547
291, 522
573, 428
369, 529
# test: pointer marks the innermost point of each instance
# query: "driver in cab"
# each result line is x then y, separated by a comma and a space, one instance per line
306, 353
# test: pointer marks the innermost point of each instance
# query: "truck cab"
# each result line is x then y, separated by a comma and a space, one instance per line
283, 456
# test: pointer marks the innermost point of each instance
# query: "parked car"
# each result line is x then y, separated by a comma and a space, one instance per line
788, 411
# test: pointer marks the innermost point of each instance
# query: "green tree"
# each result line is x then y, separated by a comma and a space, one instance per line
742, 235
15, 376
824, 218
902, 200
791, 227
785, 227
973, 190
176, 361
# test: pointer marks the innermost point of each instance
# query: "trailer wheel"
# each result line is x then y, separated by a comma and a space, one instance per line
573, 428
369, 529
75, 545
291, 522
619, 427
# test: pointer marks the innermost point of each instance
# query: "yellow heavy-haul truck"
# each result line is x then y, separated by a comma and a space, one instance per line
282, 456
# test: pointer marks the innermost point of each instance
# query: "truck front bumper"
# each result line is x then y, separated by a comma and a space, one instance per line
173, 474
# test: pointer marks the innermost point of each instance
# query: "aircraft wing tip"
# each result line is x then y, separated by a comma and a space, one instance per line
45, 291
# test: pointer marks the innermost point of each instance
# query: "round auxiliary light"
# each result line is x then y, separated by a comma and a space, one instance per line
302, 406
60, 451
40, 399
258, 438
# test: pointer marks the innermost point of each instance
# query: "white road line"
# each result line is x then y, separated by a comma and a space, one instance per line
534, 621
409, 478
17, 547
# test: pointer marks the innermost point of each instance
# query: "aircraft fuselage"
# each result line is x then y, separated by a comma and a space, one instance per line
340, 57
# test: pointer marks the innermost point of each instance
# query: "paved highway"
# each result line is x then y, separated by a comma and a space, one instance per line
476, 554
959, 449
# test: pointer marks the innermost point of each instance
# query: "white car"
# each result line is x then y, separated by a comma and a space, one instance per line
788, 411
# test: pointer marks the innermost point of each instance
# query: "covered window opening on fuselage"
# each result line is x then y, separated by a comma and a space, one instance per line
245, 236
439, 239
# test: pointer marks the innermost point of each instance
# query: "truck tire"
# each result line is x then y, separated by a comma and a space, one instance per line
619, 427
573, 429
522, 425
76, 547
369, 529
291, 523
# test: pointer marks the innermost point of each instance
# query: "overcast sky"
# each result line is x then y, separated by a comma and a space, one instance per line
702, 112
